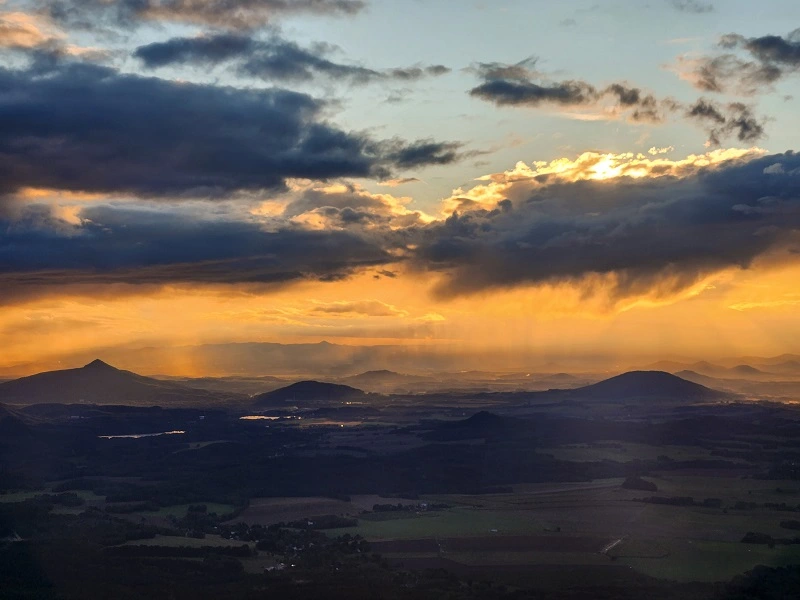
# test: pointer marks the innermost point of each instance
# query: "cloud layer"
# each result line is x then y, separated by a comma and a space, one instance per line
238, 14
641, 234
633, 226
146, 247
82, 127
272, 59
521, 85
761, 63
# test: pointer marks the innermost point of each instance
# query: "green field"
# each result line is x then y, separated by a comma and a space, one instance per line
668, 542
709, 561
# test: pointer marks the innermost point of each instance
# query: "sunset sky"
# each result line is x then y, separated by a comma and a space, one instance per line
585, 178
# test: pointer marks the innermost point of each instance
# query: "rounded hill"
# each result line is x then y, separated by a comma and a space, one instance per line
648, 384
310, 393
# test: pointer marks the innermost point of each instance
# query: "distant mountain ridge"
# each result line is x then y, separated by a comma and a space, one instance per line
99, 383
333, 362
755, 369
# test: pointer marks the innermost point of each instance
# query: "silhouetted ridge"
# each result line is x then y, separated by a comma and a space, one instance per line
560, 377
647, 384
483, 418
98, 365
310, 392
789, 364
98, 383
747, 370
695, 377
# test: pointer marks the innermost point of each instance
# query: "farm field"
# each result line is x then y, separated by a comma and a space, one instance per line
180, 510
688, 560
266, 511
594, 524
457, 522
181, 541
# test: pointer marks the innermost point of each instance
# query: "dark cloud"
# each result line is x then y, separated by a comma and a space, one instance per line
692, 6
141, 247
703, 109
271, 59
239, 14
508, 92
650, 234
723, 121
627, 96
769, 49
199, 50
771, 58
645, 106
513, 85
82, 127
422, 153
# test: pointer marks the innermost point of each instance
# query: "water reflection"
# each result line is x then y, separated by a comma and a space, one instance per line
136, 436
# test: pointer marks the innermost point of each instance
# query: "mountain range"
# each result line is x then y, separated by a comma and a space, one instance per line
786, 366
333, 362
100, 383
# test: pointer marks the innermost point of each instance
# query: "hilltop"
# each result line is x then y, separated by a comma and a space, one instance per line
310, 393
646, 384
99, 383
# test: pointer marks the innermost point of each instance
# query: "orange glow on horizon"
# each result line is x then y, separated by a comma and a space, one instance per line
732, 311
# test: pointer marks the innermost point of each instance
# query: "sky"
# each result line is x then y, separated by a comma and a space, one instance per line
558, 179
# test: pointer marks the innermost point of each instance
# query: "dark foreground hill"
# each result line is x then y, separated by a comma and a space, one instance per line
100, 383
657, 385
310, 393
482, 424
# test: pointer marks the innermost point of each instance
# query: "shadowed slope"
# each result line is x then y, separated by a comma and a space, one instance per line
310, 393
647, 384
99, 383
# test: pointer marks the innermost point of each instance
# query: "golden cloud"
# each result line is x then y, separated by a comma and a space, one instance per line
519, 181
